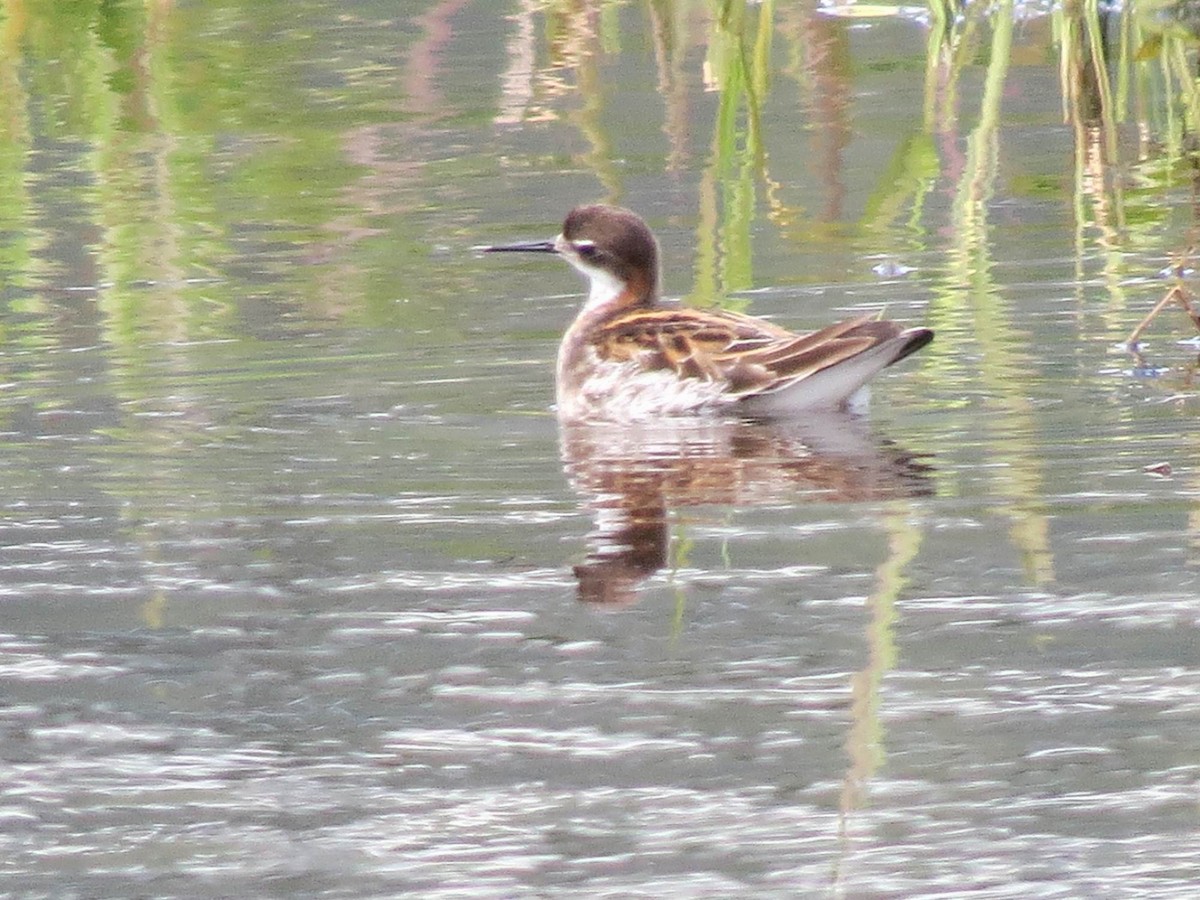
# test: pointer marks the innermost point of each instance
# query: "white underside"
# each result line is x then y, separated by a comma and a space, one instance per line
839, 385
626, 392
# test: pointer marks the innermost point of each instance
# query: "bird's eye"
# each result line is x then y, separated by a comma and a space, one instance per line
586, 249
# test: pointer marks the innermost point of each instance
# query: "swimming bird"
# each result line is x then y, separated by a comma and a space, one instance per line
630, 356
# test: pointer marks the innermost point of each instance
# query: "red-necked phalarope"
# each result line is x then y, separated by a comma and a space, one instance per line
630, 356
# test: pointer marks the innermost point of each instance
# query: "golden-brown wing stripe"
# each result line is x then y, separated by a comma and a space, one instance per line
750, 355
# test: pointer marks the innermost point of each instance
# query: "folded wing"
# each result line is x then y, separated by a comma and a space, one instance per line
755, 360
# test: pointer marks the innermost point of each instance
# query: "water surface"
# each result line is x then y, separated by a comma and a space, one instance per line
303, 591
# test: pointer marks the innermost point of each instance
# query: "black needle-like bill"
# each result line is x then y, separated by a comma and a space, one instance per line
523, 247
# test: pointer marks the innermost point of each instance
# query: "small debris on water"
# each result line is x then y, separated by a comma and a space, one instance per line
1162, 469
1176, 272
889, 268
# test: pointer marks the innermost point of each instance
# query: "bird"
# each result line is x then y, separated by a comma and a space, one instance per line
630, 356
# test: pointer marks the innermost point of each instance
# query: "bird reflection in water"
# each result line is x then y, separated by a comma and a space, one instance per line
631, 477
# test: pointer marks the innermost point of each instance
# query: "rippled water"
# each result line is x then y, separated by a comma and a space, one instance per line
304, 592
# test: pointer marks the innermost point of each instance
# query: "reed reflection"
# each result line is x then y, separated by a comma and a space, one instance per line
632, 479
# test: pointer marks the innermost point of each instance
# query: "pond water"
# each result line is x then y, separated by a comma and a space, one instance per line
303, 591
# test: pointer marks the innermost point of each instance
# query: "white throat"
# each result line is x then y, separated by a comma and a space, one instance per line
604, 286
